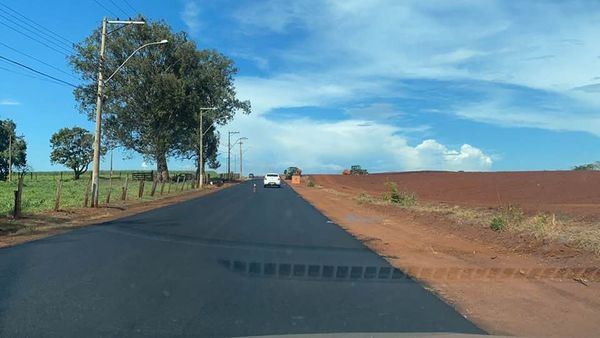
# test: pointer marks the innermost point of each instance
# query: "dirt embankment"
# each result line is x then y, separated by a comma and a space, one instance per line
505, 282
40, 225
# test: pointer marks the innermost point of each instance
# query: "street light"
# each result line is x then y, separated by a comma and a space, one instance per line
201, 133
229, 153
96, 166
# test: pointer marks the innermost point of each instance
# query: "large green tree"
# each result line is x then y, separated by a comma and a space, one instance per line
17, 152
151, 104
73, 148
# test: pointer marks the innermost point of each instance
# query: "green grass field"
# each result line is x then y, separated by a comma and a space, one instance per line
39, 190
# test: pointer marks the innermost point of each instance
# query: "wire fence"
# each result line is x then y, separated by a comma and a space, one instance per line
46, 191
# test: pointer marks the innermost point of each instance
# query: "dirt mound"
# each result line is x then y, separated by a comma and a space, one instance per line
572, 192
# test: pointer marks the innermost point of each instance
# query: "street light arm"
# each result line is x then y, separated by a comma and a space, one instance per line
207, 130
209, 127
132, 54
238, 140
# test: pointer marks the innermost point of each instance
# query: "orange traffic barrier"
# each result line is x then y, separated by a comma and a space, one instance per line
296, 179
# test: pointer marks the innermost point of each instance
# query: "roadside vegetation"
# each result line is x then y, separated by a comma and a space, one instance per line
364, 198
402, 198
39, 190
589, 166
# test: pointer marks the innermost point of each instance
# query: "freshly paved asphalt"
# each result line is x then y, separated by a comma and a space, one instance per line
232, 263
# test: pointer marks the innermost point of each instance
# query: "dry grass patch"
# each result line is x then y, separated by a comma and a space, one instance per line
363, 198
512, 219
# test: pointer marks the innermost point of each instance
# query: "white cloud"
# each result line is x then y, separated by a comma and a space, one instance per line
9, 102
318, 146
145, 165
348, 45
530, 44
294, 90
432, 155
191, 16
504, 114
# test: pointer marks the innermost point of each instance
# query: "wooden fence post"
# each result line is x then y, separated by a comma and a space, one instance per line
154, 184
88, 186
124, 193
108, 194
18, 198
183, 184
57, 197
109, 184
141, 190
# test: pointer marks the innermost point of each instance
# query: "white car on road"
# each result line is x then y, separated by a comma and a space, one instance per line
272, 180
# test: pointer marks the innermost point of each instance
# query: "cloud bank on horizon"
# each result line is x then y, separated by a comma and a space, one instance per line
396, 85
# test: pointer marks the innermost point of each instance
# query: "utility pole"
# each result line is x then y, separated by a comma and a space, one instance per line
229, 153
240, 140
200, 153
241, 172
201, 133
10, 156
234, 164
100, 98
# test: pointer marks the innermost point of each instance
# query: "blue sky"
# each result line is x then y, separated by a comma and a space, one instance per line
392, 85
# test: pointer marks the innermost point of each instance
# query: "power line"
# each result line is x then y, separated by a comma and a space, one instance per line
53, 42
30, 28
38, 60
119, 8
34, 39
129, 5
38, 25
106, 8
30, 75
37, 71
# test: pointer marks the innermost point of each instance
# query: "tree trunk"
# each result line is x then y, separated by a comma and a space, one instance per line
161, 168
77, 174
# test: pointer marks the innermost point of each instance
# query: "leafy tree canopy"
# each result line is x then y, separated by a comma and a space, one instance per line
151, 104
73, 148
589, 166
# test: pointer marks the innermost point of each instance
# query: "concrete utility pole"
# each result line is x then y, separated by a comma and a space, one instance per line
241, 155
229, 153
10, 157
100, 98
201, 133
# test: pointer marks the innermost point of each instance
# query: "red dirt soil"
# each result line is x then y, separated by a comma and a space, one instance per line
575, 193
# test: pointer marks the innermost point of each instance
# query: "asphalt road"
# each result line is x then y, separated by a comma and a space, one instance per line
232, 263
